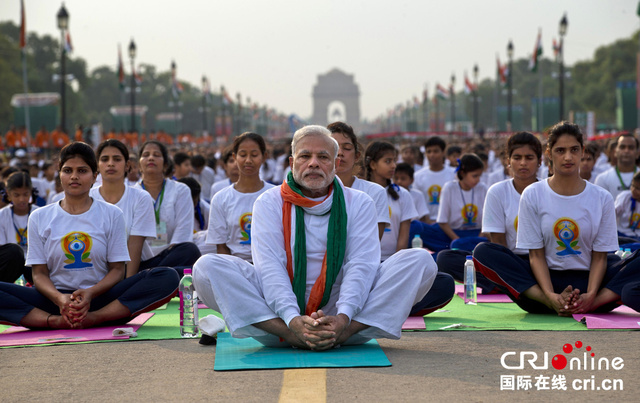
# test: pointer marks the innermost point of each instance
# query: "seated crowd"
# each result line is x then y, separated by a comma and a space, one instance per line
312, 248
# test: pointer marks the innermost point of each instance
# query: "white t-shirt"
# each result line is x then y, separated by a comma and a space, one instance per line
176, 212
400, 210
206, 179
379, 196
361, 258
77, 248
8, 224
205, 209
497, 176
609, 180
230, 220
430, 183
219, 185
569, 228
628, 218
500, 213
419, 203
462, 209
137, 207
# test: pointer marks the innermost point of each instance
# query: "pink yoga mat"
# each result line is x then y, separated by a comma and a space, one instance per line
20, 336
486, 298
414, 323
620, 318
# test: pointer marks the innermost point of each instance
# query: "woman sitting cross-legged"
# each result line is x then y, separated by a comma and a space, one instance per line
78, 250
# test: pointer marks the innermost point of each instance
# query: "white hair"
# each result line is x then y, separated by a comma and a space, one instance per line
313, 130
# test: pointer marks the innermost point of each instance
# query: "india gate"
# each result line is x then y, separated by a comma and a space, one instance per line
336, 96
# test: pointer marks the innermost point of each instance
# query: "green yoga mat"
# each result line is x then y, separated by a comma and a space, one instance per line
486, 316
243, 354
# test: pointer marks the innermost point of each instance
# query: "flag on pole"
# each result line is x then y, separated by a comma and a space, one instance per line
503, 72
67, 42
120, 69
23, 27
469, 87
176, 87
556, 48
441, 92
206, 90
537, 52
137, 77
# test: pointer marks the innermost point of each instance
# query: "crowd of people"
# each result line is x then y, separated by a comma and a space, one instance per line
308, 244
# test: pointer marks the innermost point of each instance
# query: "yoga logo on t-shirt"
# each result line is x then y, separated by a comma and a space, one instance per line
469, 214
388, 229
245, 229
634, 221
515, 224
77, 247
566, 232
434, 194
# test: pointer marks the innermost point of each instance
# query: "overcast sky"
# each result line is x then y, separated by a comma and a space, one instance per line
272, 50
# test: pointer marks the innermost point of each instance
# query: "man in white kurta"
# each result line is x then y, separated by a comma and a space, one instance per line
368, 300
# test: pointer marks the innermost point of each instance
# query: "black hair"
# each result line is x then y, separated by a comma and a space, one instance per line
226, 154
115, 143
454, 150
469, 163
249, 136
561, 128
17, 180
627, 134
341, 127
435, 141
591, 148
81, 150
180, 157
374, 152
197, 161
521, 139
406, 168
193, 184
7, 171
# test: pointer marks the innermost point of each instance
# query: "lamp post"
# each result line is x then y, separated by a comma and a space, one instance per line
239, 120
132, 56
205, 89
562, 30
509, 85
63, 24
475, 98
453, 102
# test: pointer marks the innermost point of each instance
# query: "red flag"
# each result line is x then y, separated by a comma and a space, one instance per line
469, 87
67, 43
120, 69
23, 26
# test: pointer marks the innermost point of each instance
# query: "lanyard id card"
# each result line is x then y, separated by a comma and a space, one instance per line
162, 238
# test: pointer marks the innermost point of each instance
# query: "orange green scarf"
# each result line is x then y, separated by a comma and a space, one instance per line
336, 244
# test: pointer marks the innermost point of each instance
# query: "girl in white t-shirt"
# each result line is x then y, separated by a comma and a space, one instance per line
462, 200
380, 165
348, 154
173, 211
231, 170
500, 214
135, 203
568, 225
77, 249
14, 220
231, 208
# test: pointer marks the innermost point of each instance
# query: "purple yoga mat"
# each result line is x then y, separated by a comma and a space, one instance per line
414, 323
20, 336
620, 318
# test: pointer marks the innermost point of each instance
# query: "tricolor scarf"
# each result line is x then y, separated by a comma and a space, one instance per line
336, 243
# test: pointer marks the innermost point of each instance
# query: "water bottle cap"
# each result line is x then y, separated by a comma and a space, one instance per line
469, 257
628, 250
416, 236
187, 271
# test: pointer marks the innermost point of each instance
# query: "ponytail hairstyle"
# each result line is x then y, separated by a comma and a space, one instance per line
468, 163
373, 153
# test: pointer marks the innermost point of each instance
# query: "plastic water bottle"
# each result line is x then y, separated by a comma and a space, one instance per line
416, 242
188, 306
470, 292
21, 281
626, 254
619, 252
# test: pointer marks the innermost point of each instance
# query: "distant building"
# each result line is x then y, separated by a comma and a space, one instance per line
336, 96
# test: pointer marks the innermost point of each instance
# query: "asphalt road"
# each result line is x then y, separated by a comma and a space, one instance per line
427, 366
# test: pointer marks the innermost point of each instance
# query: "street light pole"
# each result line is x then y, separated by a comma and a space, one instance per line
204, 103
562, 30
132, 56
453, 102
63, 24
475, 98
509, 85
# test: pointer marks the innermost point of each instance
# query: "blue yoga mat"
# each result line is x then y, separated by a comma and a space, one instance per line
239, 354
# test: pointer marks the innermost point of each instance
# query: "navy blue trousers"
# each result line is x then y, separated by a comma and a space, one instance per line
142, 292
11, 262
178, 256
439, 295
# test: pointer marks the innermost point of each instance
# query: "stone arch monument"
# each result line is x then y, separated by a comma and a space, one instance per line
336, 97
